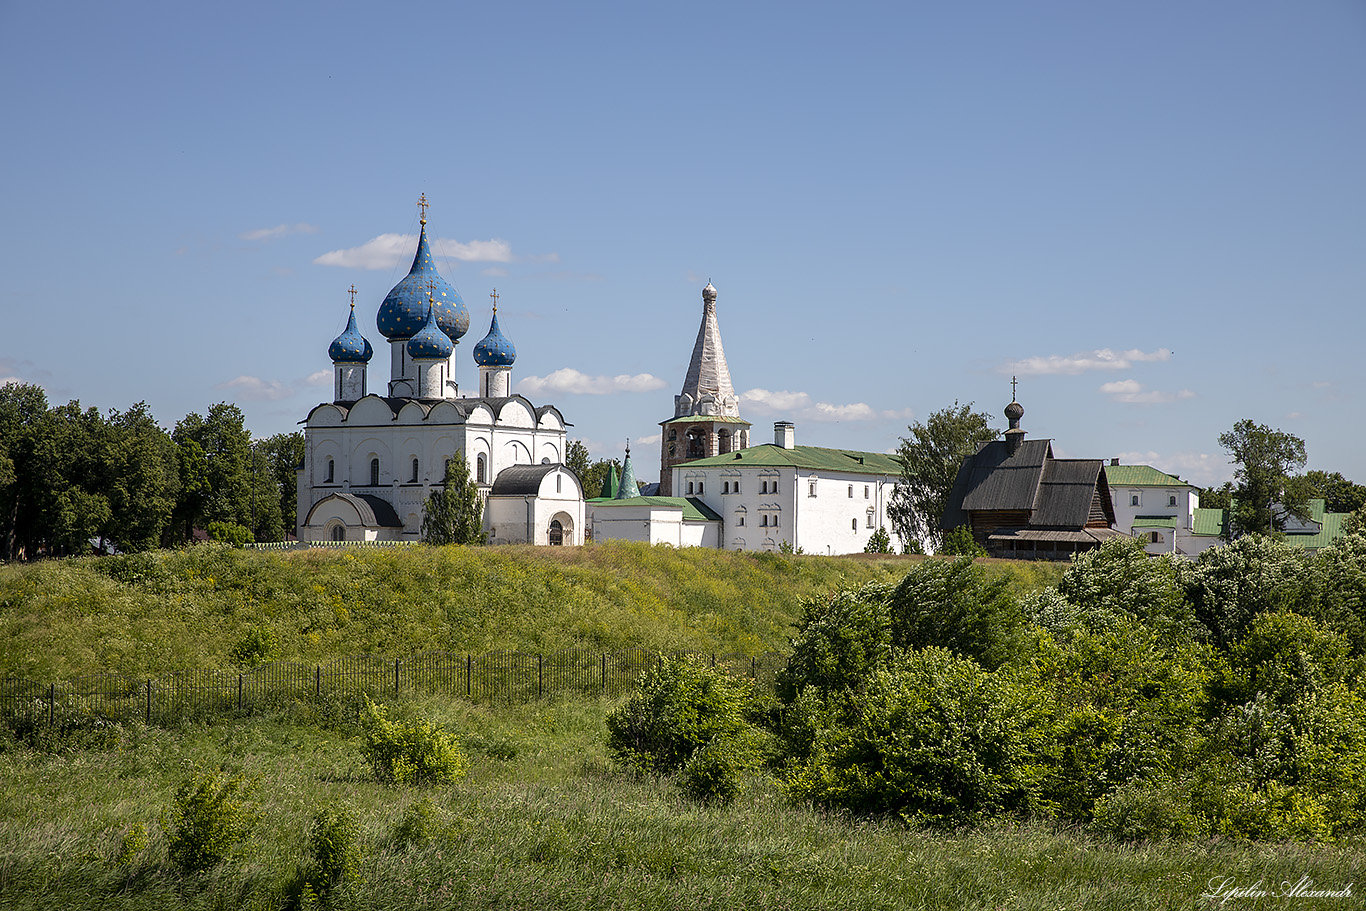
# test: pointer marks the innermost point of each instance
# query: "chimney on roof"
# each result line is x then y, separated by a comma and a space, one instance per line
785, 434
1114, 461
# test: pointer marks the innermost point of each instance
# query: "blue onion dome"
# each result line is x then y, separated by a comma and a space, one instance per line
494, 350
350, 347
430, 343
404, 310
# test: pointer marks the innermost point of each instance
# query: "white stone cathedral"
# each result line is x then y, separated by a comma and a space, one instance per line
371, 461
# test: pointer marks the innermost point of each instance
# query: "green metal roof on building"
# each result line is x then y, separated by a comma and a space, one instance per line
694, 510
1154, 522
1208, 522
705, 419
1140, 476
810, 458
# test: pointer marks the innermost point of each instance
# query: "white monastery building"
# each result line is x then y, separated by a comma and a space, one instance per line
371, 460
1161, 510
717, 490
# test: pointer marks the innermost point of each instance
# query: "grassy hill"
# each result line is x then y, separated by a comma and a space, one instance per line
149, 614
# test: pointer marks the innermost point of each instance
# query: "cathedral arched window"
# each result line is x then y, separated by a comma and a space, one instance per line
338, 533
414, 480
374, 472
480, 469
331, 469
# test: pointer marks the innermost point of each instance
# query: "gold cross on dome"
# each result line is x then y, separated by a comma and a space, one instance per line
423, 204
1012, 388
494, 295
352, 292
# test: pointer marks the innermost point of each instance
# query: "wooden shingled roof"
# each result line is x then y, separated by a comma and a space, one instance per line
1057, 494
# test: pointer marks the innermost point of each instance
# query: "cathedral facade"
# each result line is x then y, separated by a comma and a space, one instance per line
371, 460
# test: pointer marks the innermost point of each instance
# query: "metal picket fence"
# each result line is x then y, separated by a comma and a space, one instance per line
490, 677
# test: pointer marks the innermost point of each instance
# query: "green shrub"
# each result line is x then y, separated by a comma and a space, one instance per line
960, 543
879, 542
1142, 811
1121, 578
1229, 586
133, 843
334, 850
681, 704
209, 816
933, 738
839, 641
253, 648
1343, 605
952, 604
410, 752
1114, 706
228, 533
421, 823
714, 772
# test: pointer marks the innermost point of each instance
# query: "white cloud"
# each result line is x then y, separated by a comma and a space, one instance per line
1099, 359
319, 378
255, 389
567, 380
650, 440
6, 380
1131, 392
799, 406
278, 231
389, 250
494, 272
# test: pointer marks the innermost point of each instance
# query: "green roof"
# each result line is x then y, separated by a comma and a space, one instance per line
705, 419
816, 458
1154, 522
1208, 522
1140, 476
694, 510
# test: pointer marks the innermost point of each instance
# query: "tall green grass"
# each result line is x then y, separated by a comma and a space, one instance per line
544, 820
148, 614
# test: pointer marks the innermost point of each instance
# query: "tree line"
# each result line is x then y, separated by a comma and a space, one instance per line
73, 479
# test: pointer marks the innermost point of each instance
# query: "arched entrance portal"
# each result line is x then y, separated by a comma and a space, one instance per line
561, 531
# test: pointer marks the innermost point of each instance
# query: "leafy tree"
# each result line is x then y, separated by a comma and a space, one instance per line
284, 452
930, 458
454, 513
220, 491
1220, 497
23, 407
144, 479
840, 641
576, 460
1266, 460
1338, 493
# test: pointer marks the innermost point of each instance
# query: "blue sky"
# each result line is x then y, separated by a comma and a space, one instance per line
1153, 214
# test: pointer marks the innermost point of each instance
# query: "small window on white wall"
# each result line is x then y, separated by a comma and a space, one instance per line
851, 491
1171, 500
331, 468
853, 524
414, 479
1133, 500
690, 487
811, 488
374, 472
763, 487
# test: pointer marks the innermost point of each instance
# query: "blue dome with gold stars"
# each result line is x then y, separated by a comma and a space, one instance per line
494, 350
430, 343
404, 310
350, 347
